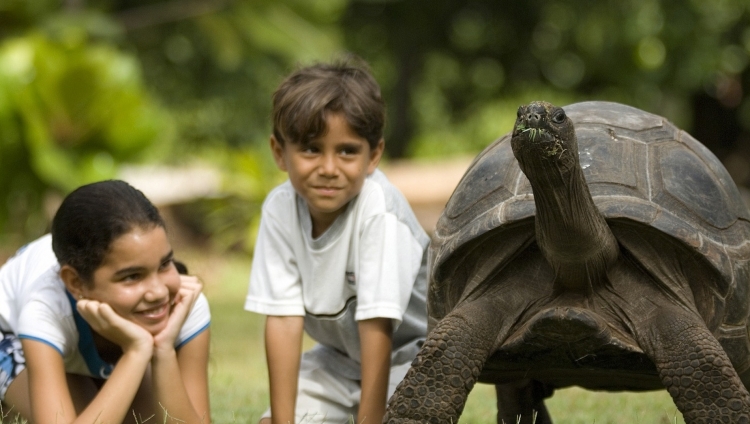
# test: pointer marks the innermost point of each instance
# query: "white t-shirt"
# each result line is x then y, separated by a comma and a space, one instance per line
370, 263
35, 305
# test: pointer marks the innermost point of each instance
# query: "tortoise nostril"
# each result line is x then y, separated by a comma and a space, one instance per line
533, 118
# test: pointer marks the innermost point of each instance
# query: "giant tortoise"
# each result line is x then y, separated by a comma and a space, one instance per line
596, 245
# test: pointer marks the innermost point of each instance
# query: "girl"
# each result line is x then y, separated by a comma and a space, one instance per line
109, 330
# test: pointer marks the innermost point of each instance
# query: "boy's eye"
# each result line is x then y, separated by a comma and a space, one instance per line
350, 150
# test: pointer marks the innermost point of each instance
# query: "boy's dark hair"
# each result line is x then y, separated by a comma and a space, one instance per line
304, 98
92, 217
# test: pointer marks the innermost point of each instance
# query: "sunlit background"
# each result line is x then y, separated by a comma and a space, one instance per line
174, 96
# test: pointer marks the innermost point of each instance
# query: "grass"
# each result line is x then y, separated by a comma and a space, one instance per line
239, 389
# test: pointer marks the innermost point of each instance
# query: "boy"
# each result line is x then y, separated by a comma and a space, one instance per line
339, 254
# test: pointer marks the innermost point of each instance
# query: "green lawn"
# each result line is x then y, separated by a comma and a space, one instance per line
239, 390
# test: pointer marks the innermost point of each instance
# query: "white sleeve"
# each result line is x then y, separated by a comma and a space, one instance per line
275, 285
390, 258
47, 317
196, 322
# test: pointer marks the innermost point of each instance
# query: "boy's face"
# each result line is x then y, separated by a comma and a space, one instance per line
328, 171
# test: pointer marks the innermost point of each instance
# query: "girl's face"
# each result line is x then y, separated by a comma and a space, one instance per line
138, 278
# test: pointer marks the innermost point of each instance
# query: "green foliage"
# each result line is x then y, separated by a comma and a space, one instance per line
231, 220
451, 83
250, 176
466, 57
443, 132
217, 72
71, 110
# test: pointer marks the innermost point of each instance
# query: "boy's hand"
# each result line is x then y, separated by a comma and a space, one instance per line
105, 321
190, 288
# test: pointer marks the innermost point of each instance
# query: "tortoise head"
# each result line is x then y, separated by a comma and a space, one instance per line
544, 136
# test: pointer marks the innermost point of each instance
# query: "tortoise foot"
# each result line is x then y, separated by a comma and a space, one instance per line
436, 386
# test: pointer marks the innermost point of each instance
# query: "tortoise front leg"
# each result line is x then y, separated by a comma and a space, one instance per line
435, 388
694, 368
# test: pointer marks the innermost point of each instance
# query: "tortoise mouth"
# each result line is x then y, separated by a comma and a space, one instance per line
538, 142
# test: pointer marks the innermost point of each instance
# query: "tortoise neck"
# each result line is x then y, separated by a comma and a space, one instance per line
571, 231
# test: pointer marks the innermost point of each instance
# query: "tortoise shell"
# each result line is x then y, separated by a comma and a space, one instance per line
640, 169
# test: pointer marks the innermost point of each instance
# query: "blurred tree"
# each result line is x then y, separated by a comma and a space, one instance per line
71, 109
213, 64
216, 63
452, 73
448, 66
442, 64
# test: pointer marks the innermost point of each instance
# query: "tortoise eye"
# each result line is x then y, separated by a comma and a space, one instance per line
558, 117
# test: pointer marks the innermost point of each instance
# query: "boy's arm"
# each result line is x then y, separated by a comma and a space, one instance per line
375, 339
283, 350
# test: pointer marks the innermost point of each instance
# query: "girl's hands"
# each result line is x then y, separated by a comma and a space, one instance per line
127, 334
190, 288
105, 321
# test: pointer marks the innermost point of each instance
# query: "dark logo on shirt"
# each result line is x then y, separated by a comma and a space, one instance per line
350, 278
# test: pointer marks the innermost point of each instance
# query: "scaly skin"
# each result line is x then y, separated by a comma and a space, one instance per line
435, 388
696, 371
